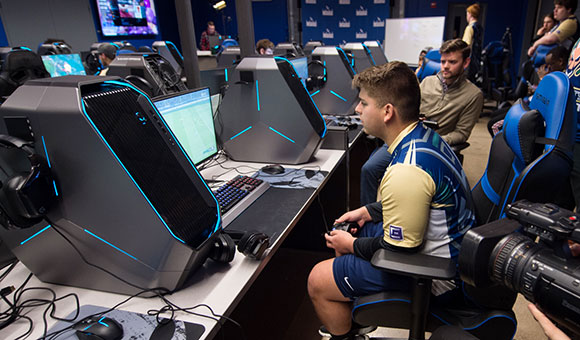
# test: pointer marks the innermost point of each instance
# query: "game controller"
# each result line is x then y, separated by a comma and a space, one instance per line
346, 226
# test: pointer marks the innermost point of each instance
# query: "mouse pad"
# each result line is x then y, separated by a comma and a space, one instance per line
136, 326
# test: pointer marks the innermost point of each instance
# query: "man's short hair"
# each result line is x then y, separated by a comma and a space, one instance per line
210, 23
474, 10
393, 83
455, 45
569, 4
265, 44
109, 50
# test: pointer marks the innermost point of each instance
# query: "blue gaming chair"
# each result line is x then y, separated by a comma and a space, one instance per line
431, 64
522, 157
539, 57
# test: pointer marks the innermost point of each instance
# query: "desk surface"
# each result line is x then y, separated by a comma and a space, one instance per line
220, 286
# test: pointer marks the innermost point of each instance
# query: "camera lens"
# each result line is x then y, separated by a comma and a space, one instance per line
509, 258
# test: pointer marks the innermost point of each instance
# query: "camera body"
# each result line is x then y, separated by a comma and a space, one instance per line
504, 252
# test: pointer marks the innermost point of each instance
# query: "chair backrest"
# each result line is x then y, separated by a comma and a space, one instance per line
431, 64
532, 157
18, 67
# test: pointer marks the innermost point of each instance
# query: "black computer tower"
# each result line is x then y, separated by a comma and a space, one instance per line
129, 199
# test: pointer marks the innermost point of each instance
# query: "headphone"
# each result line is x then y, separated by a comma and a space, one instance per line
25, 197
252, 244
316, 79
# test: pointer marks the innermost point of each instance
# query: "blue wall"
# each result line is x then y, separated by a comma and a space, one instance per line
3, 38
500, 14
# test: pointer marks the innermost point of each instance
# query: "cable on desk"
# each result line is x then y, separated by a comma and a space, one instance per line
8, 270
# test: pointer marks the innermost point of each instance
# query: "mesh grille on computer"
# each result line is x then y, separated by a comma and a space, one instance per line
145, 153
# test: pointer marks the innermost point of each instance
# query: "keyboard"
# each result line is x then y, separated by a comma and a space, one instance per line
237, 195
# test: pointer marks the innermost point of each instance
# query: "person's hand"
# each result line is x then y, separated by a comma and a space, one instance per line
574, 248
360, 216
551, 331
341, 241
541, 31
531, 51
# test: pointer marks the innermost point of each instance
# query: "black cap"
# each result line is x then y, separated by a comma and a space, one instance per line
109, 50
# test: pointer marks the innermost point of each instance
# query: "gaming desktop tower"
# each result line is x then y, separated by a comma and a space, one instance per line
333, 94
150, 72
363, 58
128, 198
228, 56
267, 114
377, 51
169, 51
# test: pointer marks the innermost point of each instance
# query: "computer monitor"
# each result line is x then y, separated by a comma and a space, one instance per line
189, 115
63, 65
301, 68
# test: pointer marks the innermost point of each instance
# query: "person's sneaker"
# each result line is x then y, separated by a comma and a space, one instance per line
360, 331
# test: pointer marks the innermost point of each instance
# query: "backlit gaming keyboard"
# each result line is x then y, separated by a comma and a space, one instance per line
238, 194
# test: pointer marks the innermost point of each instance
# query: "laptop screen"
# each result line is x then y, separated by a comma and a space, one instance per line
189, 115
301, 67
63, 65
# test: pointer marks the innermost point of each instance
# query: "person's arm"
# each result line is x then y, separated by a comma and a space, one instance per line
466, 121
565, 30
406, 202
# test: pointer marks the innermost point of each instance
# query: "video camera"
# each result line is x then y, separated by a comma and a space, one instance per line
504, 252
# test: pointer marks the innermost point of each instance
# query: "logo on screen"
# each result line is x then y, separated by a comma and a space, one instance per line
311, 22
361, 34
327, 34
327, 11
378, 22
343, 23
344, 2
378, 1
310, 2
362, 12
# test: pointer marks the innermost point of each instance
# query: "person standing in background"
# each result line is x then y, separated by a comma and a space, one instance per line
473, 36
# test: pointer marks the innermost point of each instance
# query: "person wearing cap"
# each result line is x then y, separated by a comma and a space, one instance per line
106, 53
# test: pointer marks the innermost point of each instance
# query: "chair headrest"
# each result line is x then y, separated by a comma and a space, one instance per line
539, 57
521, 127
433, 55
551, 99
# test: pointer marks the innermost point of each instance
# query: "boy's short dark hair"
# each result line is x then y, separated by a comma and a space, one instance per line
392, 83
456, 45
569, 4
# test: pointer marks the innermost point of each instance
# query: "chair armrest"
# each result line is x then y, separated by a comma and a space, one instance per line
458, 147
415, 265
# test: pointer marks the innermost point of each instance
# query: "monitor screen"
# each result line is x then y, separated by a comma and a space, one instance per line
301, 67
63, 64
127, 17
190, 117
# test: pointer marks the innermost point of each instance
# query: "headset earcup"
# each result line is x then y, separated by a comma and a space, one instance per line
223, 249
254, 244
12, 205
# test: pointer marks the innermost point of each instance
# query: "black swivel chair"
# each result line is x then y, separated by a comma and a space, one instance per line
522, 156
18, 67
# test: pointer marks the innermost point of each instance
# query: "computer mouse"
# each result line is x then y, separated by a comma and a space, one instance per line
98, 328
273, 169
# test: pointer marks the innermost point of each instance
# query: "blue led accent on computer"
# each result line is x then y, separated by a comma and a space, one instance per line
116, 45
170, 43
226, 72
324, 74
370, 54
45, 152
336, 94
23, 48
55, 189
315, 93
258, 95
110, 244
33, 236
281, 134
246, 129
218, 223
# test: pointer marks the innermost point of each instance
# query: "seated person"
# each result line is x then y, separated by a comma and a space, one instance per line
421, 58
566, 32
264, 46
418, 210
448, 98
556, 60
209, 31
106, 53
547, 24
